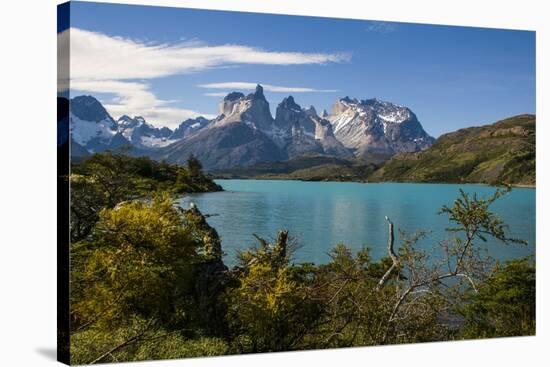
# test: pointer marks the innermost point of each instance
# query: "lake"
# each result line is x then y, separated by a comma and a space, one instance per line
320, 215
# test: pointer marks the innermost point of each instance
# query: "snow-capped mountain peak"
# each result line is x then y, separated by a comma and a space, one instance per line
372, 125
142, 134
91, 126
86, 132
88, 108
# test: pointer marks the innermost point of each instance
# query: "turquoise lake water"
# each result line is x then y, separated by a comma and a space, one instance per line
320, 215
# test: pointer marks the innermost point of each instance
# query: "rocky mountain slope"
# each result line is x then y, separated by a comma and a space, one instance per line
373, 126
241, 135
299, 131
500, 153
190, 127
245, 133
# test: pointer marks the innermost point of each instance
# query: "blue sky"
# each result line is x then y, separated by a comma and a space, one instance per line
451, 77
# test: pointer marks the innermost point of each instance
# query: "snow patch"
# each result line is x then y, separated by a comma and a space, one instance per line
83, 131
342, 121
154, 142
395, 116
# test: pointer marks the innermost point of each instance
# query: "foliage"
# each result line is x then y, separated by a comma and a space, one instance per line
194, 166
141, 258
106, 179
354, 313
505, 303
94, 346
475, 220
138, 264
269, 308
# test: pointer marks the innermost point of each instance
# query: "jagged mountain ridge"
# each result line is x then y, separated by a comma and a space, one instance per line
142, 134
300, 131
190, 127
374, 126
92, 129
241, 135
245, 132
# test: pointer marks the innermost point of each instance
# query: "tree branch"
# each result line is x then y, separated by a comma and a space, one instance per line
391, 252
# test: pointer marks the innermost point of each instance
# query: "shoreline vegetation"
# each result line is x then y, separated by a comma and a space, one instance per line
502, 153
148, 279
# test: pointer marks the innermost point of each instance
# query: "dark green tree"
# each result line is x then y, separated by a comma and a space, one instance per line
194, 166
504, 305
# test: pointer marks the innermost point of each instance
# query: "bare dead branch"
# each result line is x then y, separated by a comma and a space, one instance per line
391, 252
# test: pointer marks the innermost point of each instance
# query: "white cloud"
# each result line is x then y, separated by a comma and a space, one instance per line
252, 86
382, 27
216, 94
98, 56
105, 64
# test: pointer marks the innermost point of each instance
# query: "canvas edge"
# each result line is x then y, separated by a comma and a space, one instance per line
63, 204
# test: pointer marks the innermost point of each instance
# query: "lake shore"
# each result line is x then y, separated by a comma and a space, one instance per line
290, 178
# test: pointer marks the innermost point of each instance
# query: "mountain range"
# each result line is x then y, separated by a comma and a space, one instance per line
245, 133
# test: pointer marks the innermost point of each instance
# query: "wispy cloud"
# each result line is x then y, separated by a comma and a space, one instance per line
216, 94
98, 56
267, 87
100, 63
381, 27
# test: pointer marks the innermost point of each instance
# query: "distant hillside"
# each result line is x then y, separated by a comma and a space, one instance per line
500, 153
308, 168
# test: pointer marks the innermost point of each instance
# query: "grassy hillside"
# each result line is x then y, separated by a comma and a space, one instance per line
500, 153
